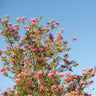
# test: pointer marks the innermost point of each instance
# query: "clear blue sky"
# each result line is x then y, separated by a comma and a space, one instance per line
77, 17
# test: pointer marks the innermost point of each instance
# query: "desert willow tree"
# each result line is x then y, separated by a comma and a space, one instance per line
38, 62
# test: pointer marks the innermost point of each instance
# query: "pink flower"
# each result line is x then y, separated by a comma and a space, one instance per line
50, 75
23, 37
26, 30
68, 94
84, 73
14, 86
71, 84
45, 28
3, 93
23, 18
2, 69
17, 80
84, 69
44, 40
16, 25
90, 70
33, 23
65, 45
26, 27
12, 67
43, 88
3, 57
52, 20
48, 23
18, 19
61, 87
39, 73
68, 74
60, 74
54, 87
73, 93
6, 16
29, 95
63, 59
1, 31
29, 81
55, 26
9, 24
89, 82
13, 60
33, 20
46, 58
81, 82
53, 71
74, 38
23, 74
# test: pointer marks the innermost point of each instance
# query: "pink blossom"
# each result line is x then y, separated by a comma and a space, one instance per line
74, 38
12, 67
61, 87
3, 93
52, 20
63, 59
65, 45
18, 19
17, 80
39, 73
89, 82
50, 75
9, 24
43, 88
33, 19
29, 81
16, 25
81, 82
3, 57
84, 69
2, 69
33, 23
23, 74
26, 27
1, 31
73, 92
60, 74
90, 70
84, 73
68, 74
23, 18
68, 94
6, 16
54, 87
14, 86
53, 71
46, 58
45, 40
29, 95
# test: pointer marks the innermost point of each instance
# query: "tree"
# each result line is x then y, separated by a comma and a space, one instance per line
36, 64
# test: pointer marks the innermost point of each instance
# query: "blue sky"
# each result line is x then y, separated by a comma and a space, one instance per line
77, 17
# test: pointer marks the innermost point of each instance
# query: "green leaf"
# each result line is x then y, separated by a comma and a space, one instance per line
6, 74
18, 22
40, 17
23, 22
52, 27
